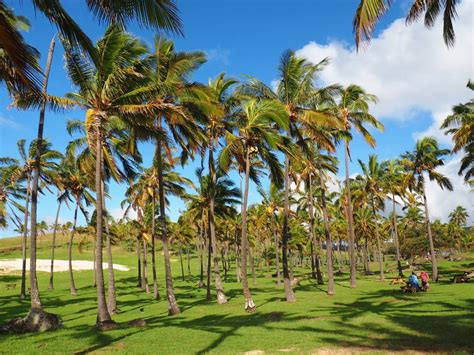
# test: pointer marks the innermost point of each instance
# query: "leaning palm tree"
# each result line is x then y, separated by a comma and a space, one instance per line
257, 138
353, 111
370, 12
425, 159
461, 125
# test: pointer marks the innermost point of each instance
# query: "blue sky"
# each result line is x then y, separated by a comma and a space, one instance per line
248, 37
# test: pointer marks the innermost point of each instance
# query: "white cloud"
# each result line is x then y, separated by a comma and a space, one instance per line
442, 202
409, 68
117, 213
218, 55
8, 123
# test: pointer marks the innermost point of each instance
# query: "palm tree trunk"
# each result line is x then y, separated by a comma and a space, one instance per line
327, 233
24, 239
351, 236
201, 254
53, 247
172, 304
379, 246
290, 296
277, 252
188, 259
249, 304
139, 264
395, 236
111, 292
34, 293
156, 295
145, 267
434, 264
221, 298
103, 315
69, 250
252, 267
208, 269
366, 256
180, 252
319, 275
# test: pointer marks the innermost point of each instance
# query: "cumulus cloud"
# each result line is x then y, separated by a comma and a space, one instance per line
118, 212
413, 74
441, 202
408, 67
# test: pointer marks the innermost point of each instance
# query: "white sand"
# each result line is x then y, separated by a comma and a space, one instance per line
11, 265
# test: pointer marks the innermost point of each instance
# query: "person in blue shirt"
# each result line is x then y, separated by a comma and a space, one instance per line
413, 281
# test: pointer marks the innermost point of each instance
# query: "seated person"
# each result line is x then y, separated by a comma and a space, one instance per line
413, 281
424, 281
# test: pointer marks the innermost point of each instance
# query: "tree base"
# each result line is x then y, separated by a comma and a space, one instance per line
250, 306
35, 321
221, 299
106, 325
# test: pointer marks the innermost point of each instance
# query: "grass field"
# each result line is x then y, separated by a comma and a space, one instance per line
374, 317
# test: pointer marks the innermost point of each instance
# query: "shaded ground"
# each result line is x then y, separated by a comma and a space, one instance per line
373, 317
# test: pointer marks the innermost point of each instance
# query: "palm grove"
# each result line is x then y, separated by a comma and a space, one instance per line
287, 135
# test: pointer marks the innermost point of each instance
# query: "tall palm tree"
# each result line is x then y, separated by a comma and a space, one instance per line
24, 171
394, 185
426, 157
295, 91
353, 111
258, 136
370, 12
169, 85
217, 114
371, 185
109, 91
461, 125
224, 195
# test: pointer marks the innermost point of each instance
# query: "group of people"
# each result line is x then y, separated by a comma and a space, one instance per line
413, 284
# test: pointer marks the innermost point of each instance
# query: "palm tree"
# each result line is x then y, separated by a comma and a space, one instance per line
170, 85
257, 137
48, 158
426, 157
394, 186
370, 186
224, 195
370, 12
295, 91
217, 112
461, 125
353, 111
459, 216
121, 64
75, 185
272, 201
11, 191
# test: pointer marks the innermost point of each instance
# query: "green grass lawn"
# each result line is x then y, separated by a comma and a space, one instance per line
375, 316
